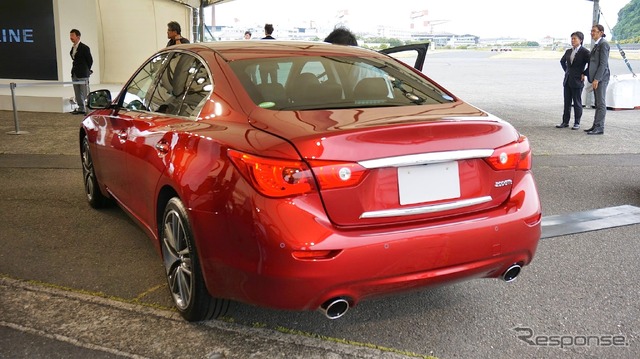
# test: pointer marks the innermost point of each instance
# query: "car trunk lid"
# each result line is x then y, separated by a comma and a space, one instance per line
419, 163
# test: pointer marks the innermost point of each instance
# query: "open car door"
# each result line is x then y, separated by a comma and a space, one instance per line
408, 52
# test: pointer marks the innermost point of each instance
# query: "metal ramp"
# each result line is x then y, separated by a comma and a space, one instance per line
593, 220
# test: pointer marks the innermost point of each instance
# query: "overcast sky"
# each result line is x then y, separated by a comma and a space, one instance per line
532, 20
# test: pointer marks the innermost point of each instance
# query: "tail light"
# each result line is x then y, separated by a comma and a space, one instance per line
275, 177
337, 174
514, 156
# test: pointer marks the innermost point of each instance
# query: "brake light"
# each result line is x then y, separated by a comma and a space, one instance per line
514, 156
274, 177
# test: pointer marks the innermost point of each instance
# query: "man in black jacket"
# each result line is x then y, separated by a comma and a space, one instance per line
81, 70
174, 34
574, 63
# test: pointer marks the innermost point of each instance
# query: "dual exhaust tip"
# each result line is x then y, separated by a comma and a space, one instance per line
337, 307
511, 273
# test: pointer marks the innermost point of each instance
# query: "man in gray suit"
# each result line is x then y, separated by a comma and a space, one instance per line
599, 77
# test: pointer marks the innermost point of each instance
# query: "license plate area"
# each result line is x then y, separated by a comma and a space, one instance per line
428, 183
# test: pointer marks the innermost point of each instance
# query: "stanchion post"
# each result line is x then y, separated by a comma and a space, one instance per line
16, 123
86, 95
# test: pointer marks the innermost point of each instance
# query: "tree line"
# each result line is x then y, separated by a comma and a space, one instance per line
627, 29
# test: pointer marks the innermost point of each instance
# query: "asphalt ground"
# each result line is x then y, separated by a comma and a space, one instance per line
75, 282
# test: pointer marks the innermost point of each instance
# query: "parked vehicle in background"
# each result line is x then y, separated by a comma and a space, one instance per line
501, 48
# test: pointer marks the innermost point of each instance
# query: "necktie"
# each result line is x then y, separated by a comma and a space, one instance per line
73, 54
573, 55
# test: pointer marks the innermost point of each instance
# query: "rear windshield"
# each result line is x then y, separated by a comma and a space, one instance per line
308, 82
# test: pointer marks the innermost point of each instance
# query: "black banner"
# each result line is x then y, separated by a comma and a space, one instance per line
27, 40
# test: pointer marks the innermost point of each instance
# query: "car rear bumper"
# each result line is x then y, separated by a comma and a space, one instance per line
252, 260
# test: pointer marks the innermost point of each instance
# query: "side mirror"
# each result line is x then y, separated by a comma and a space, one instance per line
99, 99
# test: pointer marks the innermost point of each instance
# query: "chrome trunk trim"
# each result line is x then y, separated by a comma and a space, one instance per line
426, 158
399, 212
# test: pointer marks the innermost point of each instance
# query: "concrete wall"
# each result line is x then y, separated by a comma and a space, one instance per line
132, 30
81, 15
120, 33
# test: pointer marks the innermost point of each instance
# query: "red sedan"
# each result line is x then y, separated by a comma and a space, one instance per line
303, 176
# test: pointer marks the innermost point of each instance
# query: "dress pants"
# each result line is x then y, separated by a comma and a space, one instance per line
601, 105
81, 92
572, 97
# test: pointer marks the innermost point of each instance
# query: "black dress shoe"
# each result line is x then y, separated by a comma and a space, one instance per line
596, 132
562, 125
576, 126
76, 112
589, 129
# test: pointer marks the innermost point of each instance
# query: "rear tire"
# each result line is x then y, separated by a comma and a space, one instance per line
91, 187
182, 267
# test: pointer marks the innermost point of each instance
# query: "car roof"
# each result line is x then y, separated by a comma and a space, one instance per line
240, 50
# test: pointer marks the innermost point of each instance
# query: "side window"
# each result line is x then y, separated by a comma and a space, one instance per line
198, 89
183, 87
170, 91
137, 95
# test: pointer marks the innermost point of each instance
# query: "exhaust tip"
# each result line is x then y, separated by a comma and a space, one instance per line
511, 273
335, 308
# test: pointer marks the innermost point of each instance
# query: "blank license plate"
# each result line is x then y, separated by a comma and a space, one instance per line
426, 183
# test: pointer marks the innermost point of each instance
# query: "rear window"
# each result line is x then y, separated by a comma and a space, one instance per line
309, 82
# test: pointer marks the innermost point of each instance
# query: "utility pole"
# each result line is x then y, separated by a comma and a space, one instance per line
596, 16
596, 12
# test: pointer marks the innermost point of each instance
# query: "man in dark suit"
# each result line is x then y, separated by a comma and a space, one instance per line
81, 70
574, 63
268, 70
599, 77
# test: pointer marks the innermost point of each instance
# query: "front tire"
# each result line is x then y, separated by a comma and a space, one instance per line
182, 267
91, 188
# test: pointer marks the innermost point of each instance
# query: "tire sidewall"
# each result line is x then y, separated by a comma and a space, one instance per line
199, 296
96, 199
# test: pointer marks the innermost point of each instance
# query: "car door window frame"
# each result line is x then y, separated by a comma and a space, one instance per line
151, 87
198, 64
421, 49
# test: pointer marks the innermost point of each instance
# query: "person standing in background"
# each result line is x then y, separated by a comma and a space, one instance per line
174, 34
341, 36
574, 63
247, 35
268, 30
599, 77
80, 70
268, 69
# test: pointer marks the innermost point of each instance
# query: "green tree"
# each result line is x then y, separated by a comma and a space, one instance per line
628, 25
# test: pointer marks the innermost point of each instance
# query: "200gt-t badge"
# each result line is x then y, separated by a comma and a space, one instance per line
499, 184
